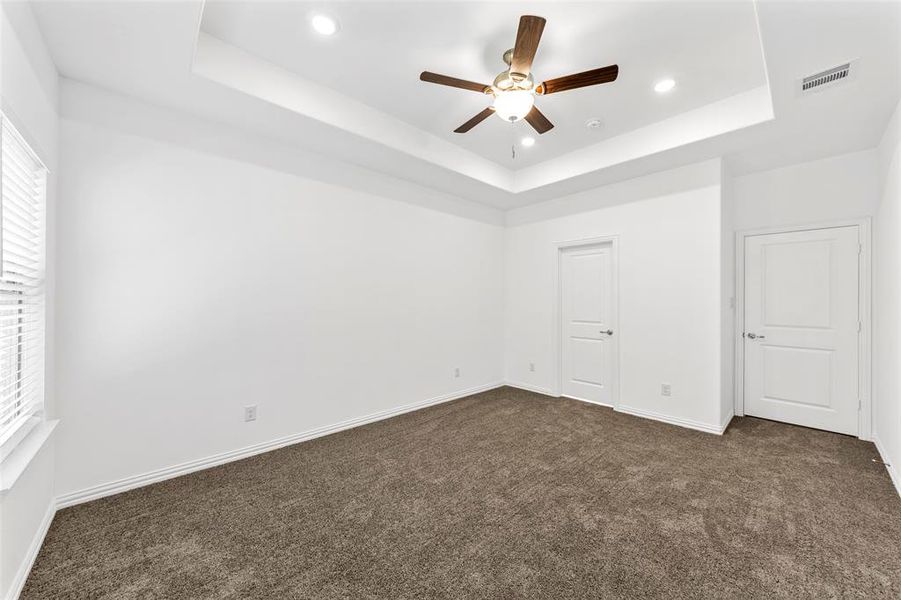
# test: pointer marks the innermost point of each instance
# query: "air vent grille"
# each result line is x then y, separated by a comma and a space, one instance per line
826, 77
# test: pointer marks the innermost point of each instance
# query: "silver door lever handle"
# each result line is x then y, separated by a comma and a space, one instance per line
608, 332
754, 336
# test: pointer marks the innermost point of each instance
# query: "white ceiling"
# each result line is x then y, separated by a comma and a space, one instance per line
712, 50
356, 97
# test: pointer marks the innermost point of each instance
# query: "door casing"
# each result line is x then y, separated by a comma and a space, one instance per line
557, 342
863, 297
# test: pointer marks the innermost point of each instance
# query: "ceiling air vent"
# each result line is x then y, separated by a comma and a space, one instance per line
828, 77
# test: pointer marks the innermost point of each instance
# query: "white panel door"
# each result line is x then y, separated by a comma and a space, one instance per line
587, 312
801, 328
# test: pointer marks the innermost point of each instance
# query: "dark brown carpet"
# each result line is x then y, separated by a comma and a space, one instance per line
505, 494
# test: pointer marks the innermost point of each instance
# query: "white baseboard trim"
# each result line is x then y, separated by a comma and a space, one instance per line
637, 412
28, 561
891, 467
603, 404
531, 388
647, 414
136, 481
725, 424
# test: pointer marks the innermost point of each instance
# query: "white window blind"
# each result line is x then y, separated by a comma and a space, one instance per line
23, 181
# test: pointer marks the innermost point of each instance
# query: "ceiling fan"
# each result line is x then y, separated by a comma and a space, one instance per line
514, 89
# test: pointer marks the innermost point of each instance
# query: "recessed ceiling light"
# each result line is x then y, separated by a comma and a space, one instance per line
593, 123
664, 85
324, 24
527, 142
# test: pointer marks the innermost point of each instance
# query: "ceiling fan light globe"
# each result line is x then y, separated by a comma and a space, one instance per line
513, 105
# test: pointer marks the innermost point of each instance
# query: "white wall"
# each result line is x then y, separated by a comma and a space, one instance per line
191, 285
28, 88
887, 302
670, 322
831, 189
727, 296
241, 142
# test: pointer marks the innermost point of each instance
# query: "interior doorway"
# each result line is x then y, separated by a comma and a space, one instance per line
804, 327
587, 318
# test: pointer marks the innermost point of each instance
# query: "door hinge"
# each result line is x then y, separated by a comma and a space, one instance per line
859, 249
859, 327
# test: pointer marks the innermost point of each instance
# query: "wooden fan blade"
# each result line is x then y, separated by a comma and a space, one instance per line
571, 82
474, 121
527, 38
453, 82
538, 121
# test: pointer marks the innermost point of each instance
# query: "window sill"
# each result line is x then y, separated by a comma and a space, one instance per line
15, 464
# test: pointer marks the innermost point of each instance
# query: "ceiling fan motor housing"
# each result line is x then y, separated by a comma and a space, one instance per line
514, 89
506, 81
511, 80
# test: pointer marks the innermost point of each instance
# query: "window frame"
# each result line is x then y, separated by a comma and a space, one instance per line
26, 416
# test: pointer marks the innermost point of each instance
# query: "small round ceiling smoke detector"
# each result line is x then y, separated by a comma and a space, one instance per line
594, 123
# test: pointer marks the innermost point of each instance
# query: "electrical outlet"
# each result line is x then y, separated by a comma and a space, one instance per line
532, 367
250, 413
666, 389
457, 372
